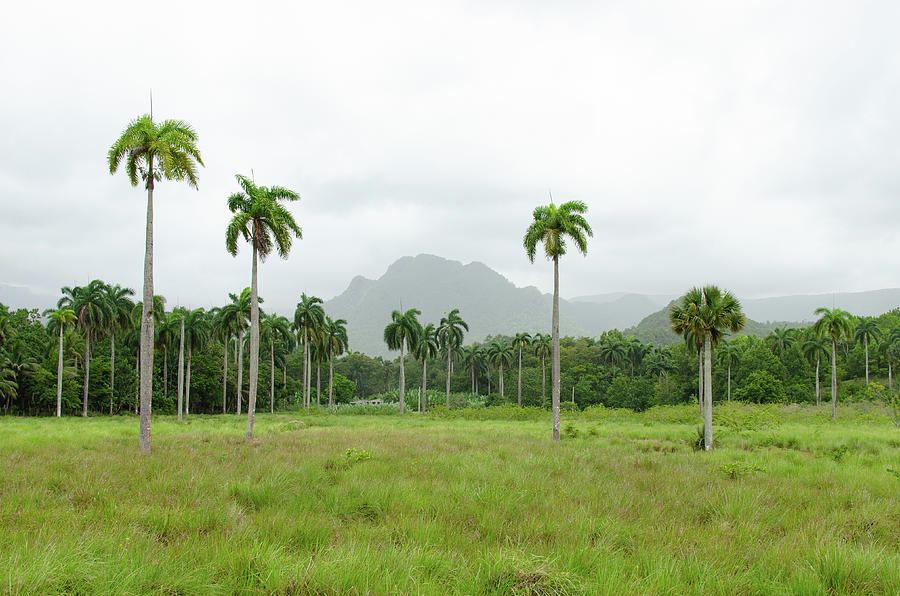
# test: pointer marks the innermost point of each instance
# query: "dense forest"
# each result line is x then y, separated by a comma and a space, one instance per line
97, 327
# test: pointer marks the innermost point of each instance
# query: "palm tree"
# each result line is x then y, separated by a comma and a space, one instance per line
404, 329
151, 152
222, 330
780, 340
450, 335
336, 343
197, 330
178, 315
59, 319
522, 340
614, 349
816, 345
266, 224
708, 312
158, 312
635, 350
867, 330
20, 363
427, 347
541, 344
8, 385
91, 308
835, 324
308, 316
165, 339
728, 355
552, 225
274, 327
659, 363
236, 315
119, 307
890, 347
500, 353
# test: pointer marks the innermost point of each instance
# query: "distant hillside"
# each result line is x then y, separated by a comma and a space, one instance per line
801, 307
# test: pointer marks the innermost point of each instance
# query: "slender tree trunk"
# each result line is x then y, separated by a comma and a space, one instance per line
318, 384
700, 381
543, 382
187, 383
818, 391
729, 381
305, 368
833, 380
554, 367
284, 376
707, 393
240, 375
112, 370
330, 380
254, 341
520, 375
866, 341
272, 375
166, 373
147, 320
402, 380
224, 375
59, 373
890, 377
424, 382
449, 371
137, 377
180, 389
87, 369
500, 381
472, 376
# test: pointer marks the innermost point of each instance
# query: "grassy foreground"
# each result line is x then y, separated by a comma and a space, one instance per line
446, 506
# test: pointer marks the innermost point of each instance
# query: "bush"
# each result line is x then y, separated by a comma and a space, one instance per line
761, 387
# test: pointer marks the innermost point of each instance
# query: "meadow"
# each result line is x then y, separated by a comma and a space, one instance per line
459, 502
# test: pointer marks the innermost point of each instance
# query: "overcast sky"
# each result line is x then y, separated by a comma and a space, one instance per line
755, 145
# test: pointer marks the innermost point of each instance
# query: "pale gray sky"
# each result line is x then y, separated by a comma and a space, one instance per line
754, 145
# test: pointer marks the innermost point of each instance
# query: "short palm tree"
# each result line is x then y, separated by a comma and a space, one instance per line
552, 226
614, 349
403, 330
541, 344
521, 341
834, 324
119, 307
59, 319
262, 220
427, 347
469, 358
814, 347
92, 311
709, 313
152, 152
867, 331
500, 353
308, 317
450, 334
274, 328
336, 343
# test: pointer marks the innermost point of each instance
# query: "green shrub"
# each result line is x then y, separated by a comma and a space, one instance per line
354, 455
737, 469
761, 387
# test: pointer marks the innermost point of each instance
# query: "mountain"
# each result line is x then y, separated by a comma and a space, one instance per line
801, 307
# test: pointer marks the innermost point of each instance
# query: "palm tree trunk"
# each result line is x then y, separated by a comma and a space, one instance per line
318, 384
59, 371
449, 370
520, 375
146, 360
112, 369
866, 341
87, 369
330, 380
166, 373
700, 381
180, 390
254, 341
554, 367
818, 391
729, 381
707, 394
240, 375
402, 380
543, 381
833, 379
305, 369
224, 374
137, 375
187, 384
272, 375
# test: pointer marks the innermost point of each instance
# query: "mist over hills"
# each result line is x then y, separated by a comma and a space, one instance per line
493, 305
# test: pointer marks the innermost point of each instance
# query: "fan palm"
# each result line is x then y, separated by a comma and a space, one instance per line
709, 313
541, 344
522, 340
867, 330
834, 324
403, 330
308, 317
552, 226
262, 220
59, 319
427, 347
152, 152
92, 311
450, 333
274, 327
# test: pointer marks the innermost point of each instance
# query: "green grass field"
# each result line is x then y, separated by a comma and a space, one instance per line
787, 504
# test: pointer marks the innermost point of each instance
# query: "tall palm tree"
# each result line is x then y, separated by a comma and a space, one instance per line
815, 346
273, 327
197, 330
152, 152
500, 353
522, 340
867, 331
541, 344
237, 315
728, 355
427, 347
91, 308
834, 324
403, 330
60, 319
308, 317
552, 226
119, 307
265, 223
336, 343
708, 312
450, 333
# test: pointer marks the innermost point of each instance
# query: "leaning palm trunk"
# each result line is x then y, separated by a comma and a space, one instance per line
833, 380
240, 376
112, 370
707, 394
59, 371
146, 360
272, 375
402, 380
180, 389
254, 343
187, 384
87, 369
554, 341
224, 375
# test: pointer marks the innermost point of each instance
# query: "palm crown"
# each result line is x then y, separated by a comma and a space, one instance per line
261, 219
552, 225
168, 149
